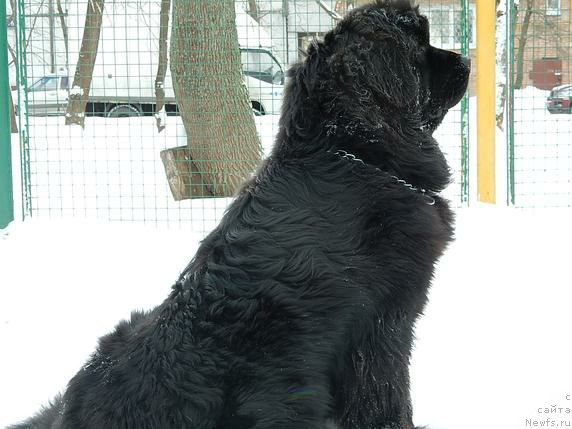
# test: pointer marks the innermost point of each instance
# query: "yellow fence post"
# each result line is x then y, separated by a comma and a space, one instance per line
486, 159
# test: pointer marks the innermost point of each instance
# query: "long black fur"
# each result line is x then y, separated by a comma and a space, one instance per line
298, 309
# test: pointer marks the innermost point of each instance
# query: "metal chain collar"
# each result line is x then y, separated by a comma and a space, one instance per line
351, 157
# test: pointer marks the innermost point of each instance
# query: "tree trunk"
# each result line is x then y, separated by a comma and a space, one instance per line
501, 61
160, 113
64, 28
522, 44
79, 93
223, 145
253, 10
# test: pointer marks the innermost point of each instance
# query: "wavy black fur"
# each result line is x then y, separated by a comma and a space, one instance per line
298, 309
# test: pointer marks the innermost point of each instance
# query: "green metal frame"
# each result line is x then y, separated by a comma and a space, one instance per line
510, 31
465, 108
23, 121
6, 185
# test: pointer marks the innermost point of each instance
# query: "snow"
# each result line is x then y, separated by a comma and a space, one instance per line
543, 152
492, 348
161, 117
76, 90
111, 170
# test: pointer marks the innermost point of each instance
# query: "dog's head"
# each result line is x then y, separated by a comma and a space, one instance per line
379, 61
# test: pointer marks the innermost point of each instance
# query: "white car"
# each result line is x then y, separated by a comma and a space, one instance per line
48, 96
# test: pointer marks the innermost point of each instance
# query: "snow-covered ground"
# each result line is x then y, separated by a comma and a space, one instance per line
493, 348
112, 170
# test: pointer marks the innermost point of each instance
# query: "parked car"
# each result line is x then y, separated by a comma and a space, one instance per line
560, 99
123, 83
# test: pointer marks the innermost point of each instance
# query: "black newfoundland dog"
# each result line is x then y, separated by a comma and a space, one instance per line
298, 309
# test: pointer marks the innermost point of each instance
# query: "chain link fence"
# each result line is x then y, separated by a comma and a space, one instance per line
540, 82
126, 153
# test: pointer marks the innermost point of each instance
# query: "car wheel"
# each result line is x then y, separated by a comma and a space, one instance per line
257, 109
123, 111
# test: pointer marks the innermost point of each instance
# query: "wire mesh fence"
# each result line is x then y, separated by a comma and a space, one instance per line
134, 156
540, 137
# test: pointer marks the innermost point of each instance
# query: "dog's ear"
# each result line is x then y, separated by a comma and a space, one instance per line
374, 65
300, 93
305, 74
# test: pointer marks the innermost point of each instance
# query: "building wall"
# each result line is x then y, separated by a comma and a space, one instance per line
287, 20
306, 20
549, 35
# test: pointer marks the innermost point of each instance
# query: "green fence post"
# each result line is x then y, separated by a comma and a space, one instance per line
510, 30
6, 191
23, 117
465, 107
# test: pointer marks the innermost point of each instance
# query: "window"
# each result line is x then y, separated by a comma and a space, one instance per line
261, 65
446, 29
563, 92
553, 7
47, 83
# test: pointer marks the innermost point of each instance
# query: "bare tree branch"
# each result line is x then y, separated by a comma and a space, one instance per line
12, 54
13, 122
333, 14
63, 25
253, 10
33, 27
79, 93
522, 44
162, 69
501, 63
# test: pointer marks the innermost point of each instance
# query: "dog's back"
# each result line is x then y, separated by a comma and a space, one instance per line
278, 300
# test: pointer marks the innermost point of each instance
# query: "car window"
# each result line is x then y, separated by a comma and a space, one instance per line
47, 83
259, 64
561, 92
